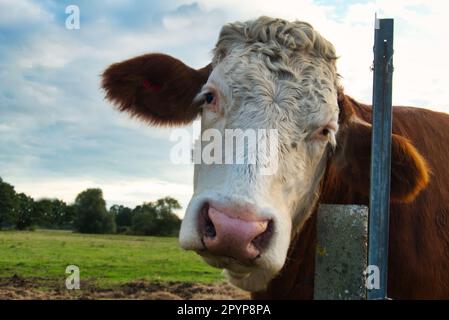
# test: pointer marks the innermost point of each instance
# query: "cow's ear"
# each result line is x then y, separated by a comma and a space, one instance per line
409, 170
156, 88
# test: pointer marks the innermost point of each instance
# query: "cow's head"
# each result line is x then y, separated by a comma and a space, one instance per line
265, 74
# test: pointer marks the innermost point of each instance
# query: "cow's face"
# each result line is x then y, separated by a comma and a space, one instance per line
241, 216
266, 74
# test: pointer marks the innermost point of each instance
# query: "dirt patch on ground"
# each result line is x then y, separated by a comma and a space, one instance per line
17, 287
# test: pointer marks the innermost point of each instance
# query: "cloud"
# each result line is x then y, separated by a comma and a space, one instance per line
20, 12
58, 135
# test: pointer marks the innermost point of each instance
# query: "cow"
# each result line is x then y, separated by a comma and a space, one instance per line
270, 73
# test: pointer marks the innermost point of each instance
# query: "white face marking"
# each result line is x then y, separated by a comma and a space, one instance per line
269, 85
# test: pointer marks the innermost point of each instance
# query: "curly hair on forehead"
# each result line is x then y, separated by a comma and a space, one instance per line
295, 37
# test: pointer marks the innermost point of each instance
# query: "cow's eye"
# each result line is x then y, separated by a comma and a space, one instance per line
210, 100
322, 134
209, 97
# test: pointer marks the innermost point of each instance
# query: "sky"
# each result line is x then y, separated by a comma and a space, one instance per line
59, 136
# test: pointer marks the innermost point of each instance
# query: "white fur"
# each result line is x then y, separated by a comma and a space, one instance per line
270, 74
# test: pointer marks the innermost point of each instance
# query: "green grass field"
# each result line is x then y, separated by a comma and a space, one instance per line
104, 259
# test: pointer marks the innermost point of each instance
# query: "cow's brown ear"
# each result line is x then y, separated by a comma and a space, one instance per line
156, 88
409, 170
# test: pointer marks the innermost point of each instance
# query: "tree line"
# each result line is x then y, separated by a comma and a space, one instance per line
88, 214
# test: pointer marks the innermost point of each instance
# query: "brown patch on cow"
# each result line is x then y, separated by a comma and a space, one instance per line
409, 173
156, 88
352, 161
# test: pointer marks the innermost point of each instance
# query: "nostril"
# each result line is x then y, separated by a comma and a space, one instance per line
262, 240
209, 228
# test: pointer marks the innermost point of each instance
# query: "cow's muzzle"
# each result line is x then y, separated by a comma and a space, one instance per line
242, 236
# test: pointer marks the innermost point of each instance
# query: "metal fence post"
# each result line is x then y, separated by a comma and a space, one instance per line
381, 155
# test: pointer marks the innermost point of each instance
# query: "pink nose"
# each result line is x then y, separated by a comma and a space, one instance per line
232, 236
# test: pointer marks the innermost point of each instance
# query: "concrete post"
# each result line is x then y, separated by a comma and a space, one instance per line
341, 253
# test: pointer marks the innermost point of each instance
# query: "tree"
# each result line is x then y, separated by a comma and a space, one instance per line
108, 224
43, 212
58, 217
91, 215
156, 218
54, 213
8, 204
69, 217
167, 204
144, 220
123, 215
25, 218
168, 222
